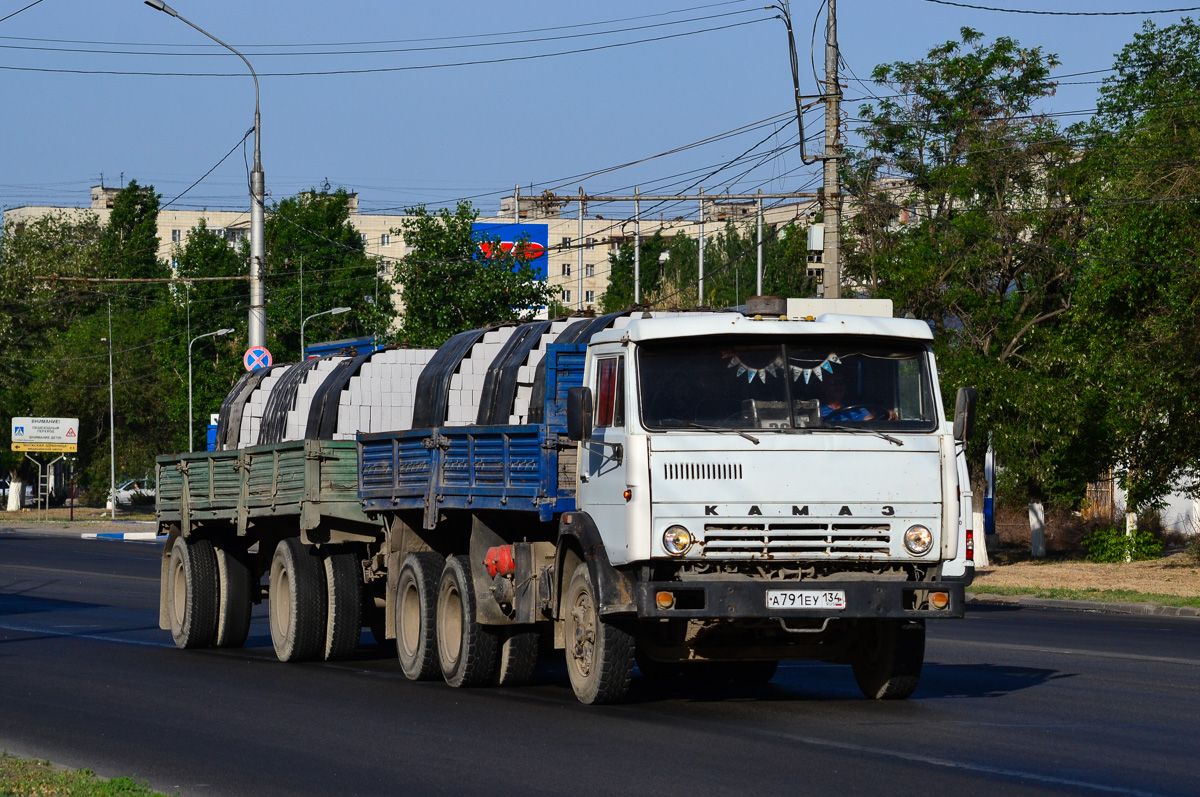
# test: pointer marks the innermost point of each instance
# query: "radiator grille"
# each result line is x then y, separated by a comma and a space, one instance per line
795, 540
702, 470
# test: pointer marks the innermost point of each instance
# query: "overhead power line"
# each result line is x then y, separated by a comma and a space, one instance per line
1063, 13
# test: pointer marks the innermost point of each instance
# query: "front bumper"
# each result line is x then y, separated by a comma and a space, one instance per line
732, 599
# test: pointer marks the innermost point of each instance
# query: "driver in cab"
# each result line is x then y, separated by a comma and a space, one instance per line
835, 406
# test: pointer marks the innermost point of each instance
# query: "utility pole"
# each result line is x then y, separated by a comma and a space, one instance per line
637, 247
700, 297
760, 244
832, 204
579, 246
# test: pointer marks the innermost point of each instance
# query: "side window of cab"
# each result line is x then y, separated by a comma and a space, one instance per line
610, 392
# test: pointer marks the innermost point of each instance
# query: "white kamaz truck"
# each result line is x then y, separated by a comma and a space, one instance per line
695, 492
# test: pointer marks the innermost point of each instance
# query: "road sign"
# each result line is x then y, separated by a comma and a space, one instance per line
45, 434
256, 357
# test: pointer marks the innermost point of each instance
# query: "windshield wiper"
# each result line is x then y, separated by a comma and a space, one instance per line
677, 423
859, 430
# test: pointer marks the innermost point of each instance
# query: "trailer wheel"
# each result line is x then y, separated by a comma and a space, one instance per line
233, 611
518, 656
887, 663
343, 600
192, 593
599, 653
416, 615
466, 649
297, 601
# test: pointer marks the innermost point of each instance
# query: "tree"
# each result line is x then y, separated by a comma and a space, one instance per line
449, 286
33, 311
1136, 304
967, 223
316, 260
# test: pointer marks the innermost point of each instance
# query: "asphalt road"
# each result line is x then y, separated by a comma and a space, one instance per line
1012, 701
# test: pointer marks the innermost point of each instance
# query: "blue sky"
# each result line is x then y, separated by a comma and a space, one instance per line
433, 135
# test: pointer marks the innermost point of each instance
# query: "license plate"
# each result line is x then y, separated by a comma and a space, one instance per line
806, 599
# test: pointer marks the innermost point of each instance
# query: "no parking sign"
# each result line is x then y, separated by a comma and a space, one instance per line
256, 357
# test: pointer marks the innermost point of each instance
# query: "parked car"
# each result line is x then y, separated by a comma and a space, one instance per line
136, 491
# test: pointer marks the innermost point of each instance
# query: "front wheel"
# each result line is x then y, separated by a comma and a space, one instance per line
600, 655
887, 662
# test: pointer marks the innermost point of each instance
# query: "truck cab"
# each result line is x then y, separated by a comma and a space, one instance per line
772, 488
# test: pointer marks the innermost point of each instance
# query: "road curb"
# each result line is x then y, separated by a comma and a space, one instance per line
144, 536
1084, 606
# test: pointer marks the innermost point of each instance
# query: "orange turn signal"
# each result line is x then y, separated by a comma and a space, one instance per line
665, 600
939, 600
628, 494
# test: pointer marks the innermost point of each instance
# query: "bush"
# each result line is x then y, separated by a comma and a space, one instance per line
1112, 544
1193, 550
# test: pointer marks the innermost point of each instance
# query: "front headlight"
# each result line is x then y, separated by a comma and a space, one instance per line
918, 540
677, 540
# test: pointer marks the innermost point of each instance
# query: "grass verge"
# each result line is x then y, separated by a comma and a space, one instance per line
23, 778
1090, 594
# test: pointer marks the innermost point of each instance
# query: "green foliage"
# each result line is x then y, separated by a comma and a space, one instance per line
1135, 305
1114, 545
449, 287
1193, 550
316, 260
730, 268
970, 244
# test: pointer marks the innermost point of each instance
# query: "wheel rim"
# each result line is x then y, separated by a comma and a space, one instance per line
450, 621
410, 619
583, 642
179, 607
281, 603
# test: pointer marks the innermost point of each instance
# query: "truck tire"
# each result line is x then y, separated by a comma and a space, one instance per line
297, 601
518, 656
466, 650
192, 593
233, 609
416, 615
343, 601
887, 662
599, 653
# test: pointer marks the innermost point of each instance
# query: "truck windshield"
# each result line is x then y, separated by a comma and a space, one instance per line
802, 382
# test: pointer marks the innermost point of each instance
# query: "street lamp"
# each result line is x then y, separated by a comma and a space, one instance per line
112, 428
334, 311
191, 415
258, 311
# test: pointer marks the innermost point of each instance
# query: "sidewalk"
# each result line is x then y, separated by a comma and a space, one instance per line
1083, 606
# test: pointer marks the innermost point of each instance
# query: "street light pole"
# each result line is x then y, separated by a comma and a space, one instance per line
191, 414
112, 429
334, 311
258, 310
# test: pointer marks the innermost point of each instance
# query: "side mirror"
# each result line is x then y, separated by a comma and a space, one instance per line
579, 413
964, 414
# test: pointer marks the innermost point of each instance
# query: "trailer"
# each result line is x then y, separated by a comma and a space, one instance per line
691, 494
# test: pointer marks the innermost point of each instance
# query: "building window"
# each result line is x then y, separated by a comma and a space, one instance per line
589, 297
176, 236
590, 243
566, 243
589, 270
566, 297
362, 236
235, 236
566, 269
217, 231
385, 239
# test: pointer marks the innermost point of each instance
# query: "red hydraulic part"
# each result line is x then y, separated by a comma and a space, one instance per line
499, 561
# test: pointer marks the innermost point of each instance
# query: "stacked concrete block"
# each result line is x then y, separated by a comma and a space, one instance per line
528, 372
297, 419
253, 412
466, 385
380, 397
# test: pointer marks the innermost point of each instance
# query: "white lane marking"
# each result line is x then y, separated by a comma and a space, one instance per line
1100, 654
73, 635
970, 767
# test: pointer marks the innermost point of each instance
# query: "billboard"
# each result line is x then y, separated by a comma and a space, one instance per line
45, 434
537, 238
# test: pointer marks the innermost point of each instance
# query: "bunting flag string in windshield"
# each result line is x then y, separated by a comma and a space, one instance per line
826, 366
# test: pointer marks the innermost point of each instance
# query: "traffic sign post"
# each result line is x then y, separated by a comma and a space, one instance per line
54, 435
256, 357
